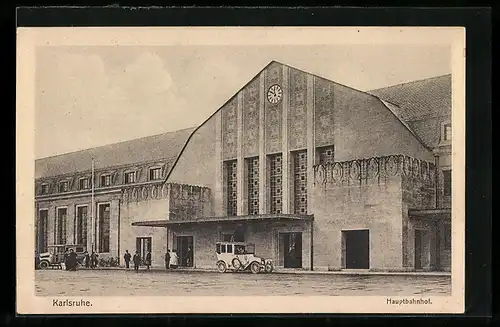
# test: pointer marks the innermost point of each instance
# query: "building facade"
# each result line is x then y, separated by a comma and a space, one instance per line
314, 174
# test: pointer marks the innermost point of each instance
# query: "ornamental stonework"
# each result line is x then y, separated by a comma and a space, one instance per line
229, 129
374, 170
297, 114
251, 102
273, 111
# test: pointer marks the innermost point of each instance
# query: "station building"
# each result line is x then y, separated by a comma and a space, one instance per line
316, 175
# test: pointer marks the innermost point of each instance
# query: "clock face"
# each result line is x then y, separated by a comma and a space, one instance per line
274, 94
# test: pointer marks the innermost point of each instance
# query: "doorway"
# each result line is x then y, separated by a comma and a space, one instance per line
291, 249
356, 249
185, 250
418, 249
143, 245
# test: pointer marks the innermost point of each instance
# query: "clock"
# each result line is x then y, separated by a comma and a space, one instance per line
274, 94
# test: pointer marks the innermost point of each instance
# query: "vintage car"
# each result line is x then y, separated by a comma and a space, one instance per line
238, 256
54, 257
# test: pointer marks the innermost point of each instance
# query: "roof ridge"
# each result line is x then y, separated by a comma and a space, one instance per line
115, 143
409, 82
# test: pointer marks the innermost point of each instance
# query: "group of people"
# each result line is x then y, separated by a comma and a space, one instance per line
171, 259
71, 260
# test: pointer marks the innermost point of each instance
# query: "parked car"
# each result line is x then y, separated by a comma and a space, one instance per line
237, 256
55, 255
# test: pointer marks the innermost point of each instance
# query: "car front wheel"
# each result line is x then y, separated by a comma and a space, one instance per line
221, 267
255, 267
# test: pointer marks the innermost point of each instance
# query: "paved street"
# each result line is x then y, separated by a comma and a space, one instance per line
178, 283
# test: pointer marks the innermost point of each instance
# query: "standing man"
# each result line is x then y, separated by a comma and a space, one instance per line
127, 257
189, 257
167, 259
87, 259
72, 261
137, 261
148, 260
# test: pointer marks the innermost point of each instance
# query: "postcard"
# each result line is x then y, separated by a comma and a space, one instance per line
240, 170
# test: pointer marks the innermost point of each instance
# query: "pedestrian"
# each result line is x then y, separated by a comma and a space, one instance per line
87, 259
72, 260
93, 260
174, 260
189, 257
167, 259
127, 257
66, 255
137, 261
148, 260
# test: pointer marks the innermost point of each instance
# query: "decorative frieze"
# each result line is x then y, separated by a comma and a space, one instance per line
297, 116
145, 192
188, 201
251, 97
274, 111
361, 171
229, 129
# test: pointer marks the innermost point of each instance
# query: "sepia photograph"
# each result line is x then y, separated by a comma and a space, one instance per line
280, 168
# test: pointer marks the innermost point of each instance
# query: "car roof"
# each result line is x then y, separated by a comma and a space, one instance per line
235, 243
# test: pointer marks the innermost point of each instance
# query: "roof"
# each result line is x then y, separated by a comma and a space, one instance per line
224, 219
422, 99
421, 104
165, 147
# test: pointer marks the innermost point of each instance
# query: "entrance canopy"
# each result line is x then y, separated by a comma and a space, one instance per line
433, 214
231, 219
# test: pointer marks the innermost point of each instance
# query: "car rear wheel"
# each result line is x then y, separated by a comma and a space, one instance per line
221, 267
255, 267
44, 265
269, 267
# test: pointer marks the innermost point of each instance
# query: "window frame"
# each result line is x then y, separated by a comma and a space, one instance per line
64, 182
130, 173
44, 186
103, 178
80, 180
151, 172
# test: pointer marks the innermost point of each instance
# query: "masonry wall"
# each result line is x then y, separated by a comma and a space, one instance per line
196, 163
358, 204
152, 204
364, 127
71, 203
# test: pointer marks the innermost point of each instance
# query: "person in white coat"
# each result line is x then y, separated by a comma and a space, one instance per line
174, 259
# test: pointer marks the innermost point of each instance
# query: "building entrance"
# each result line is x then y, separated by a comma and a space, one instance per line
185, 250
291, 249
419, 240
356, 249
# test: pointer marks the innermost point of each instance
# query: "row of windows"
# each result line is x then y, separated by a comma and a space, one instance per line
80, 227
274, 180
105, 180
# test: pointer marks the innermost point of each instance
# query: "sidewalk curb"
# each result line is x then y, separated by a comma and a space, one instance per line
296, 272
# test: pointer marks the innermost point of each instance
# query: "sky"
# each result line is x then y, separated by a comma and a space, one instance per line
89, 96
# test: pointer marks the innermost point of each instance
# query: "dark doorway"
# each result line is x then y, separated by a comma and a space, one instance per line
291, 249
418, 249
357, 249
185, 250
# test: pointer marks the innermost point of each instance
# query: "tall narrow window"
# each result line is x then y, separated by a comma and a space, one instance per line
447, 132
447, 182
104, 215
81, 225
105, 180
275, 182
325, 154
231, 187
300, 182
43, 230
44, 189
154, 174
83, 183
63, 186
60, 229
253, 185
130, 177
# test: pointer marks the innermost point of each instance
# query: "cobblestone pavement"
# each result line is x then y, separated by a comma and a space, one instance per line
184, 283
